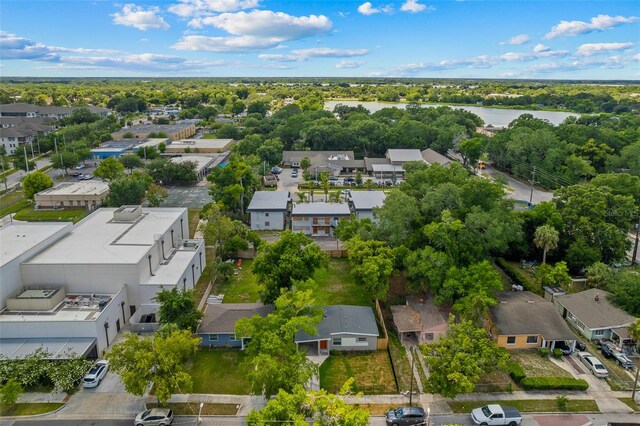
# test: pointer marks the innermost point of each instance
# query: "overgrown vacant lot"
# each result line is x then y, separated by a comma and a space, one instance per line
219, 371
334, 286
536, 366
371, 370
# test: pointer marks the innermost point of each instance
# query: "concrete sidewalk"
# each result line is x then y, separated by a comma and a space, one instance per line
32, 397
246, 402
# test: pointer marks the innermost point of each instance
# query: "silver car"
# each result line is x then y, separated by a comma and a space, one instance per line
154, 417
593, 364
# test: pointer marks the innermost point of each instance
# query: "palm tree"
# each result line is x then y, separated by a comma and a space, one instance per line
302, 196
634, 333
324, 183
335, 196
546, 237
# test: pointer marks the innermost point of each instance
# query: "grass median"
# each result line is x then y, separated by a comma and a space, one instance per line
530, 405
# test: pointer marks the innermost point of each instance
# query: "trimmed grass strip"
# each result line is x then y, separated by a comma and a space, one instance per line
28, 409
529, 405
220, 371
193, 408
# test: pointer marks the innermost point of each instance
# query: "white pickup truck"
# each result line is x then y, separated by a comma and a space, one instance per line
494, 414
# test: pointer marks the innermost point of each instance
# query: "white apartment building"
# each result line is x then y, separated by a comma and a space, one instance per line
75, 286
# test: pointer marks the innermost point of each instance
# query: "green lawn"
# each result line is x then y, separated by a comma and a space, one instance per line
376, 409
401, 363
29, 409
194, 219
31, 215
631, 403
371, 370
529, 405
219, 371
336, 286
205, 277
536, 366
13, 202
242, 287
193, 408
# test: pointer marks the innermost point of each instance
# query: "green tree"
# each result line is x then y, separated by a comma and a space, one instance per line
64, 160
471, 150
324, 184
270, 151
156, 195
546, 238
234, 184
129, 189
131, 161
226, 235
553, 276
461, 358
371, 265
109, 169
426, 269
178, 307
599, 275
624, 291
159, 360
634, 333
351, 227
297, 406
10, 392
293, 257
305, 163
35, 182
275, 360
237, 107
162, 147
397, 217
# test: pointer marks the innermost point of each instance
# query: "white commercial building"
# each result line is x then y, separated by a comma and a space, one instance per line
85, 281
269, 210
87, 195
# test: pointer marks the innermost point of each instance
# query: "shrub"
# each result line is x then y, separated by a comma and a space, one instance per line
557, 353
541, 383
517, 276
544, 352
516, 372
562, 400
10, 392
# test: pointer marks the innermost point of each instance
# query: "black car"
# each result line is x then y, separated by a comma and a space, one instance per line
406, 416
276, 170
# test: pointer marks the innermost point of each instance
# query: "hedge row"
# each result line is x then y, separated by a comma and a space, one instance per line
516, 372
516, 275
567, 383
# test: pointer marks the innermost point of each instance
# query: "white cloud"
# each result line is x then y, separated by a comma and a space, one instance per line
15, 47
539, 48
225, 44
193, 8
135, 16
414, 7
326, 52
612, 62
282, 58
368, 9
517, 40
598, 23
590, 49
542, 52
349, 64
265, 23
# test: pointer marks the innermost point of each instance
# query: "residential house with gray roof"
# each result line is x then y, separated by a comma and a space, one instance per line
592, 313
363, 203
342, 328
317, 219
269, 210
217, 328
432, 157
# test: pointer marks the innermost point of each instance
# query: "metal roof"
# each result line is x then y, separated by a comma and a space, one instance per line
343, 319
59, 347
404, 155
269, 200
320, 209
367, 200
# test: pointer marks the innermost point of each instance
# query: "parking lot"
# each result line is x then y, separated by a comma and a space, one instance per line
193, 196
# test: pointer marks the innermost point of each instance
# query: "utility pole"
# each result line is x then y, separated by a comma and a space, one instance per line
26, 160
532, 182
413, 362
635, 246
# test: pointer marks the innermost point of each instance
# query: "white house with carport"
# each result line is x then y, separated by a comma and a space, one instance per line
363, 203
317, 219
342, 328
269, 210
592, 313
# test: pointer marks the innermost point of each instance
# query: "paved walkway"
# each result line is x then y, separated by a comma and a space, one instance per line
245, 402
31, 397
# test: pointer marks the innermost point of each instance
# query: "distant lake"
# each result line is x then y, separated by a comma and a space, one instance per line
494, 116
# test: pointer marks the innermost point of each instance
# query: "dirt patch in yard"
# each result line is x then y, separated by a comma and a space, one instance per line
536, 366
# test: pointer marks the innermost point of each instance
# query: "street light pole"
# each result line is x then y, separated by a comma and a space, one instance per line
635, 246
199, 413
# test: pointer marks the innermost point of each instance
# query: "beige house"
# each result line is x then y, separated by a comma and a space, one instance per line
420, 320
78, 195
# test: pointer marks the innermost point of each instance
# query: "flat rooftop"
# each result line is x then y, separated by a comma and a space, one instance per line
201, 161
98, 239
367, 200
59, 347
172, 269
154, 128
201, 143
77, 188
74, 307
16, 238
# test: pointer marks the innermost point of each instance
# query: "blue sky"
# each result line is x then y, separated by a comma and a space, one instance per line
558, 39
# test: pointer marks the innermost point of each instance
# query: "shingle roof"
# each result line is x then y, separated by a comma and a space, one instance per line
222, 318
522, 312
269, 200
431, 156
369, 162
600, 314
343, 319
404, 155
367, 200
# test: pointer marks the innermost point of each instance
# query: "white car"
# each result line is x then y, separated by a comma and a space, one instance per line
154, 417
593, 364
96, 374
